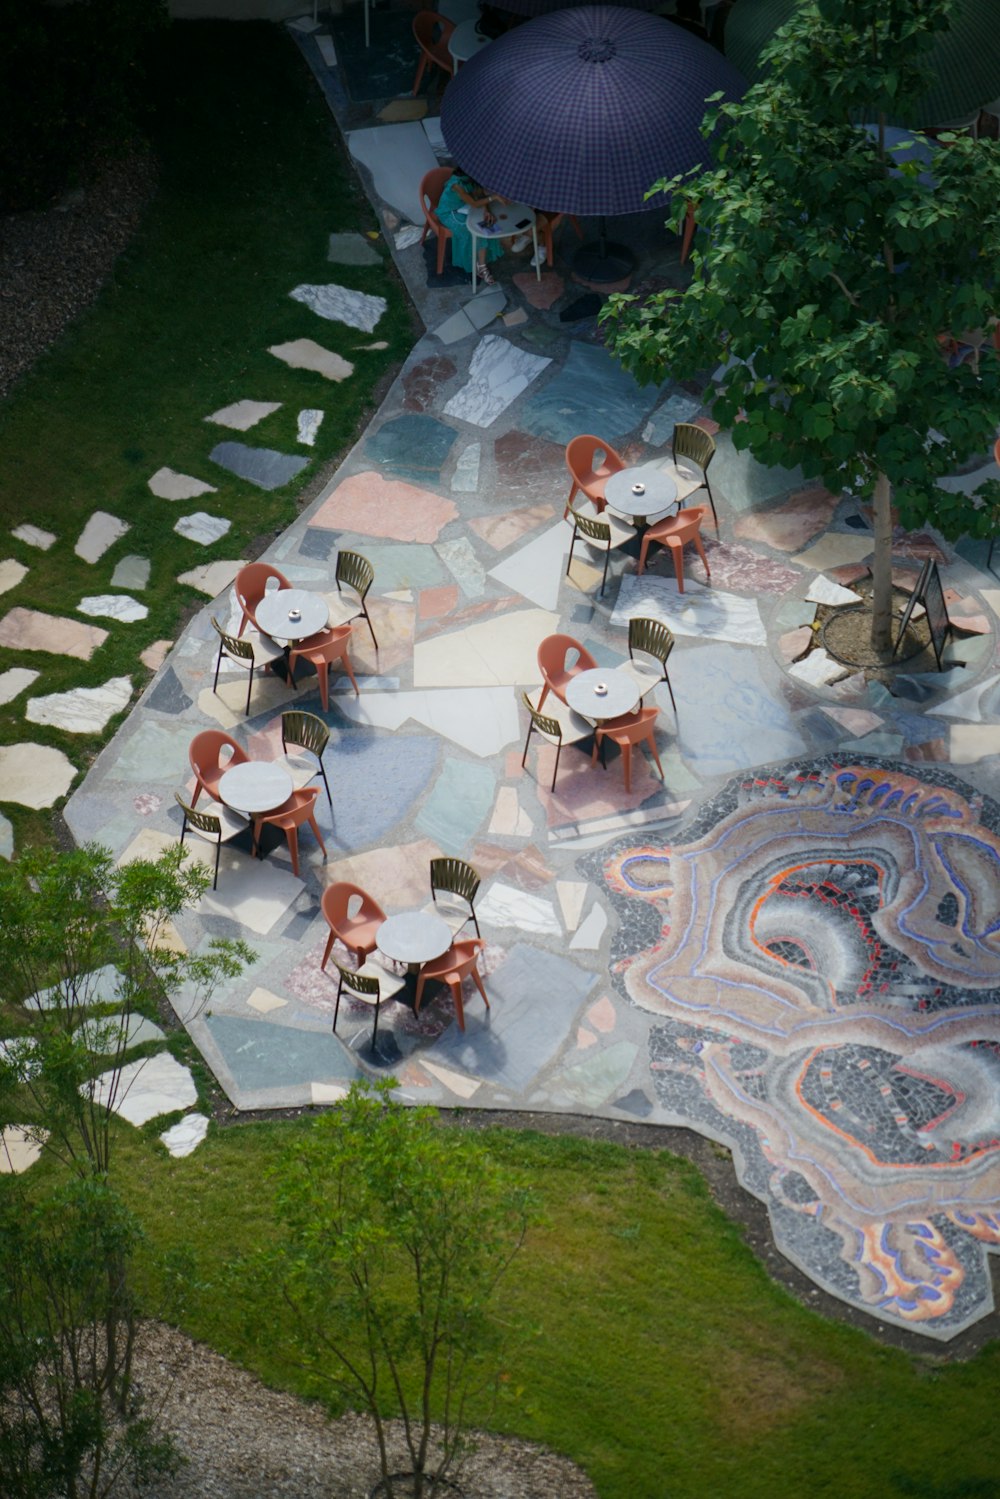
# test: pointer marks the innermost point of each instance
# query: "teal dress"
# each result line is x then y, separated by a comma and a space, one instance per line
451, 218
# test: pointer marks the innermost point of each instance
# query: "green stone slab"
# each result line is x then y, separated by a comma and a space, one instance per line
458, 805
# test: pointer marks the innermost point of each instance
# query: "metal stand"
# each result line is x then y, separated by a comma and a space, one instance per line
604, 261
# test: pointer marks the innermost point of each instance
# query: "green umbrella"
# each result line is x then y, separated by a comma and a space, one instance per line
965, 58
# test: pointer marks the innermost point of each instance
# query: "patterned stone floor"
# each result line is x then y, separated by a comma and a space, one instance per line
791, 945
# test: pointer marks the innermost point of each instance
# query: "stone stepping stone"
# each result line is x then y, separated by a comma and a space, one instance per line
265, 467
32, 536
34, 775
81, 710
101, 532
309, 422
131, 572
185, 1136
154, 655
6, 839
14, 681
98, 986
352, 249
155, 1085
11, 573
31, 630
113, 606
19, 1149
242, 415
341, 304
306, 354
103, 1035
202, 528
211, 578
167, 484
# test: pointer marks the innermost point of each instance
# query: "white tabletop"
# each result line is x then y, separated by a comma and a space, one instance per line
510, 220
272, 613
255, 786
658, 491
413, 937
465, 41
621, 695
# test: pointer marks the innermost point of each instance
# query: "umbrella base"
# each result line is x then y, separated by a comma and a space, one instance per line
603, 261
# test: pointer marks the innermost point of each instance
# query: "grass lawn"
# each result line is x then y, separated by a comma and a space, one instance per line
252, 181
662, 1357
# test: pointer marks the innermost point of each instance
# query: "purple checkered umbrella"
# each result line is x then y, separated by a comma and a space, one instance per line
543, 7
581, 111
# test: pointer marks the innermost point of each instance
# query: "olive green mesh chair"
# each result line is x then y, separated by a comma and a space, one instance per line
652, 642
255, 650
559, 726
354, 576
305, 731
369, 984
453, 877
693, 449
602, 533
217, 824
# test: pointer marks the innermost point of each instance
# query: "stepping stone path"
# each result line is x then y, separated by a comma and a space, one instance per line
15, 681
243, 415
34, 775
131, 572
202, 527
154, 655
11, 573
18, 1149
306, 354
33, 537
185, 1136
211, 578
340, 304
6, 838
31, 630
352, 249
309, 422
101, 532
82, 710
104, 1035
167, 484
156, 1085
113, 606
264, 467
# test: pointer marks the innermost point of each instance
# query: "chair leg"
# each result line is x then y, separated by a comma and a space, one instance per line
323, 672
319, 836
340, 985
643, 549
420, 73
677, 552
711, 501
699, 548
545, 693
669, 689
218, 851
555, 768
364, 611
441, 242
479, 985
688, 232
218, 664
326, 783
607, 559
326, 953
249, 685
378, 1001
418, 996
574, 487
347, 667
627, 764
292, 834
455, 985
569, 559
656, 754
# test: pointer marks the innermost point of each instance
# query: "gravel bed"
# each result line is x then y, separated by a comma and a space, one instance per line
53, 263
244, 1441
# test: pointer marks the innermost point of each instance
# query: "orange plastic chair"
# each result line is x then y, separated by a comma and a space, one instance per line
299, 808
630, 729
675, 533
587, 472
353, 917
432, 32
458, 963
432, 185
205, 755
251, 585
556, 675
322, 651
545, 223
690, 225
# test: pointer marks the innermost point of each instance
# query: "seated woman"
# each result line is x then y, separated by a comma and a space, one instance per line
460, 193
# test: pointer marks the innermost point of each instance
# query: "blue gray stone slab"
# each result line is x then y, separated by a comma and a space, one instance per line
131, 572
729, 719
458, 805
168, 696
264, 467
410, 447
260, 1054
375, 783
591, 393
352, 249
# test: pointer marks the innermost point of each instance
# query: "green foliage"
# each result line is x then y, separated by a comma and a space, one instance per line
827, 269
395, 1234
92, 934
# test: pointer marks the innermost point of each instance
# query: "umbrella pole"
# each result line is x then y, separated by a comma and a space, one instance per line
603, 261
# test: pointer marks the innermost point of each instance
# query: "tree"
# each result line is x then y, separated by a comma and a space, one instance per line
395, 1234
828, 269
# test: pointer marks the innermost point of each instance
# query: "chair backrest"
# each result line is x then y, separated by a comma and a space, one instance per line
650, 636
205, 822
304, 730
432, 32
587, 469
553, 654
356, 571
231, 644
541, 721
597, 531
363, 984
432, 185
693, 442
681, 527
205, 755
342, 902
329, 646
455, 877
252, 580
632, 732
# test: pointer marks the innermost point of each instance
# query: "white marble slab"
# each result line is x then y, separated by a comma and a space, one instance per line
15, 681
32, 536
505, 905
327, 50
252, 892
340, 304
701, 611
168, 484
20, 1148
824, 590
571, 895
407, 235
536, 570
966, 704
500, 651
81, 710
970, 742
186, 1135
818, 669
305, 24
454, 328
969, 483
463, 564
510, 819
482, 720
308, 424
588, 935
97, 986
306, 354
397, 157
34, 775
101, 532
498, 373
113, 606
105, 1034
485, 306
212, 578
131, 572
435, 135
155, 1085
242, 415
11, 573
465, 479
202, 527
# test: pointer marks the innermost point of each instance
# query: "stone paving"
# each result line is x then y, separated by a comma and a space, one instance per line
791, 944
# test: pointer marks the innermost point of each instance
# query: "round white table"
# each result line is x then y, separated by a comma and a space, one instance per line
275, 610
465, 41
511, 219
255, 786
413, 937
621, 694
658, 492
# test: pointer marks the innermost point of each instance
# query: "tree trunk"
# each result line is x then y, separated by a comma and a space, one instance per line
882, 570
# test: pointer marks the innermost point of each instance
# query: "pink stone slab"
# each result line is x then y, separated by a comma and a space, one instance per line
434, 602
739, 568
791, 525
422, 384
795, 643
401, 881
31, 630
34, 775
602, 1015
370, 505
501, 531
849, 573
971, 624
584, 791
306, 354
532, 465
154, 655
707, 424
541, 294
857, 721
